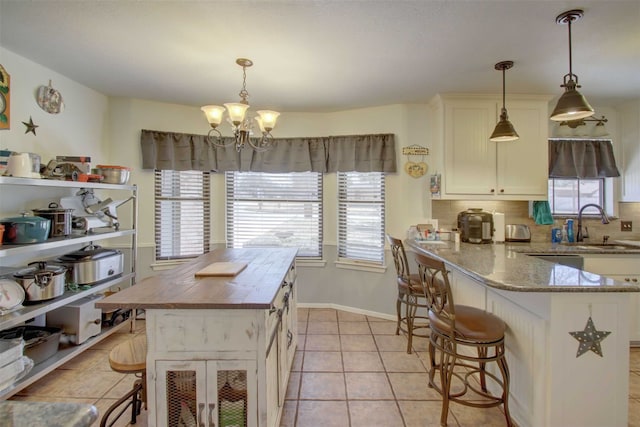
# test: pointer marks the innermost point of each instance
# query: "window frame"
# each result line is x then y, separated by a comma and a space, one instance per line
159, 198
343, 202
314, 204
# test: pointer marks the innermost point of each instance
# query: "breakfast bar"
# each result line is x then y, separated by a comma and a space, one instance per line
221, 336
556, 380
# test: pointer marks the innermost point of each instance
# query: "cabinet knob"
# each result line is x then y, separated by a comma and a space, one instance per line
502, 190
634, 280
97, 321
626, 279
493, 190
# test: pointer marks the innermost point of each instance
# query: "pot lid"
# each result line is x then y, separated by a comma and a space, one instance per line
11, 294
25, 219
39, 267
90, 252
53, 208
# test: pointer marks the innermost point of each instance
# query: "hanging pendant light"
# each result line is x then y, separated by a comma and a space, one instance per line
571, 105
504, 130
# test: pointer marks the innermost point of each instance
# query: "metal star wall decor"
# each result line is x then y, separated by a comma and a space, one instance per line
590, 339
31, 127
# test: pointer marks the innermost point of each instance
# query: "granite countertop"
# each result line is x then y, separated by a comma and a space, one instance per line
15, 413
508, 267
255, 287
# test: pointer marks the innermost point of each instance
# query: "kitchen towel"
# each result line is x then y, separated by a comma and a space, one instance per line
542, 212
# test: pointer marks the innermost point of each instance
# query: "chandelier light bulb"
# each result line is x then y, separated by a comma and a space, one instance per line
236, 112
267, 119
214, 114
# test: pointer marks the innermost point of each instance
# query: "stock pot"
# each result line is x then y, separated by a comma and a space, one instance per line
41, 281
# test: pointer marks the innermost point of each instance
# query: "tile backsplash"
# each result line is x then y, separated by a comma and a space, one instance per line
517, 212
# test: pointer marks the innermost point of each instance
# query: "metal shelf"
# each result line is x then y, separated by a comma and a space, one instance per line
62, 184
27, 312
59, 242
61, 357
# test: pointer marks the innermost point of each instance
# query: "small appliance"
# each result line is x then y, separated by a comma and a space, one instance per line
475, 225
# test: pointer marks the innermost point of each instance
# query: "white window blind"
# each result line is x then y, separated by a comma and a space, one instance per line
361, 216
275, 209
182, 214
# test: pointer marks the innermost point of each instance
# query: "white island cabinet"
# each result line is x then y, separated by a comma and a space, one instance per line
479, 169
219, 349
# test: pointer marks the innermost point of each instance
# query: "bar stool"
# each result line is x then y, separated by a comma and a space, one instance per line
410, 295
129, 357
456, 331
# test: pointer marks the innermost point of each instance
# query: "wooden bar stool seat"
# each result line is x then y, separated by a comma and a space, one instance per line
129, 357
466, 339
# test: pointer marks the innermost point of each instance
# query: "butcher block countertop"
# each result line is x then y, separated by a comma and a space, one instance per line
255, 287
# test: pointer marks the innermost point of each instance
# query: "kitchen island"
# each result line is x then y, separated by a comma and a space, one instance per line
219, 349
552, 383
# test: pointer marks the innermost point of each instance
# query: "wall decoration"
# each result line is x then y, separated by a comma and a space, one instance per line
31, 127
412, 168
49, 99
5, 99
589, 338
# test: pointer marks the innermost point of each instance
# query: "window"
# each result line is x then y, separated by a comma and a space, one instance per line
566, 196
182, 218
361, 216
275, 209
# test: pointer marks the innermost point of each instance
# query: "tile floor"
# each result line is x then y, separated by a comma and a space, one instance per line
349, 370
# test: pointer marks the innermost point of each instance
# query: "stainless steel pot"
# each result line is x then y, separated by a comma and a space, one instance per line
93, 264
42, 281
60, 219
25, 229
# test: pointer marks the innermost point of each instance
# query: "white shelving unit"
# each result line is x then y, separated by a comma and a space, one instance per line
29, 311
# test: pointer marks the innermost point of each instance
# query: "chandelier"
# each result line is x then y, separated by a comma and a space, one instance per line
242, 125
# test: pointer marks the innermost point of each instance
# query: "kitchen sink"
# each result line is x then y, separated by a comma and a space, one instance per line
597, 247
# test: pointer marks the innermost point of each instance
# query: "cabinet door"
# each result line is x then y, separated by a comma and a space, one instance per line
206, 393
523, 164
181, 393
470, 158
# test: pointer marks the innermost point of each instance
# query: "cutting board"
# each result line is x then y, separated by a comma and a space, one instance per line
221, 269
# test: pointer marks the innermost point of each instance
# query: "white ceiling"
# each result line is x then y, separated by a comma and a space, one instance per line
320, 55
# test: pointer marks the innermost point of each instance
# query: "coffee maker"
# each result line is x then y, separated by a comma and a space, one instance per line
475, 225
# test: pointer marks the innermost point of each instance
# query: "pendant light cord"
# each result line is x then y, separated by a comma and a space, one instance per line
569, 21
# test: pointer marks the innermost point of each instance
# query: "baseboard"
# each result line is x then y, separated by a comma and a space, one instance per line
349, 309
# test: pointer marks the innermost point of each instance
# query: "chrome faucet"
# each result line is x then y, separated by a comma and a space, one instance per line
605, 219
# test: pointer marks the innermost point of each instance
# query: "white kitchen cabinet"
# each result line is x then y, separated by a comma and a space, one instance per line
624, 268
23, 192
209, 393
479, 169
629, 119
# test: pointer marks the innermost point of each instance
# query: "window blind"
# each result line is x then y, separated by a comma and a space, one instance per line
361, 216
275, 209
182, 214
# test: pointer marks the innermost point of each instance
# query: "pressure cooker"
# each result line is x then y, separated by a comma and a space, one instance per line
93, 264
475, 225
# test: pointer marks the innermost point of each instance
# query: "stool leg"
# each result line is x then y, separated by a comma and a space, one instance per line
447, 364
411, 309
432, 358
482, 354
399, 311
504, 369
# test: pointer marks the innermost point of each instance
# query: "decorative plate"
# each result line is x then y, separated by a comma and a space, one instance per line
49, 99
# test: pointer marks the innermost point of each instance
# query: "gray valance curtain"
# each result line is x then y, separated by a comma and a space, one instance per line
584, 158
359, 153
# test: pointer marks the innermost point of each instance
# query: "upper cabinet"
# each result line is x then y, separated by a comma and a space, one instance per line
629, 118
479, 169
